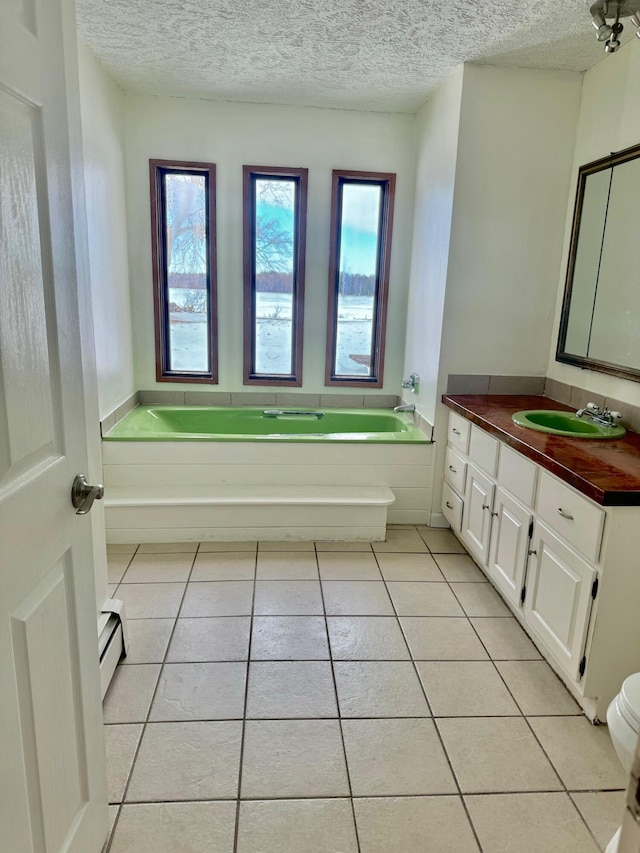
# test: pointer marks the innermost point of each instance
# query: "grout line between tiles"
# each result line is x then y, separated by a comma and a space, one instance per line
437, 730
307, 797
236, 835
308, 718
525, 718
112, 827
326, 617
339, 712
144, 725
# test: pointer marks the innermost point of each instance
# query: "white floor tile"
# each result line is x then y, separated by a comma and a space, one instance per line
172, 827
187, 761
396, 758
293, 758
291, 689
294, 826
414, 825
200, 691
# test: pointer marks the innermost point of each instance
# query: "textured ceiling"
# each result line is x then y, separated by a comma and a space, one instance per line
358, 54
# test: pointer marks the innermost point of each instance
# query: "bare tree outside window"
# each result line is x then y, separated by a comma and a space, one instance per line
274, 201
183, 236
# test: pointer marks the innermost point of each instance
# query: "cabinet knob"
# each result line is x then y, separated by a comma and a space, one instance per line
564, 514
495, 514
532, 551
486, 506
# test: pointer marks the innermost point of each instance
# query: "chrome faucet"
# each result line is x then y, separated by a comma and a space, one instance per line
605, 417
412, 383
409, 409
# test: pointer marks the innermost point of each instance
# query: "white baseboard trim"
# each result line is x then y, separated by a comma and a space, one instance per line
438, 520
112, 639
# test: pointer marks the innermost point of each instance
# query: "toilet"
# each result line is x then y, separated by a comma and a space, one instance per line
623, 719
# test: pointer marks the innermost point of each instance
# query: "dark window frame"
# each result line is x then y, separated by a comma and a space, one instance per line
157, 170
301, 176
387, 182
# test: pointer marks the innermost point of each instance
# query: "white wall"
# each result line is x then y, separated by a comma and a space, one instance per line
233, 134
103, 140
515, 148
609, 121
437, 125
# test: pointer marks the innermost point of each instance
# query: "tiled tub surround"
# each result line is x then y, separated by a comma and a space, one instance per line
558, 538
367, 698
268, 489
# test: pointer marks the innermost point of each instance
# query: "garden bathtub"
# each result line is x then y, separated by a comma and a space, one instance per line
196, 473
209, 423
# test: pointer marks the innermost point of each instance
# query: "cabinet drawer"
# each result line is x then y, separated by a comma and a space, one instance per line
573, 516
455, 470
483, 450
517, 475
452, 507
458, 434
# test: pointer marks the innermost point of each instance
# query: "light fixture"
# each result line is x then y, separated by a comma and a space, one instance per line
612, 10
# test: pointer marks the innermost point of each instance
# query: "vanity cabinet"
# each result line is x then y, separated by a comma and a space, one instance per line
568, 568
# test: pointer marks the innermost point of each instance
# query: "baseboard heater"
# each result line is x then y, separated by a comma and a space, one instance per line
112, 639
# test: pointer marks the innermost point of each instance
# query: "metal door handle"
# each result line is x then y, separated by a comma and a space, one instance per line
83, 495
564, 514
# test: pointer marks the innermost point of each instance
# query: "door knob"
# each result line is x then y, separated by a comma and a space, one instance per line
83, 495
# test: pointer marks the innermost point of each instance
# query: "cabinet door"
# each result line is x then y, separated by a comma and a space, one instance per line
476, 518
558, 599
509, 546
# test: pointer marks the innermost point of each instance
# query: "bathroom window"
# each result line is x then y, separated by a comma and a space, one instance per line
361, 225
275, 211
183, 216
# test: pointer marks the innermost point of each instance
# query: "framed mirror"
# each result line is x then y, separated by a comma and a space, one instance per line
600, 321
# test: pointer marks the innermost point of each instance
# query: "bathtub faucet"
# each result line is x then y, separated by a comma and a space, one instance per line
412, 383
409, 409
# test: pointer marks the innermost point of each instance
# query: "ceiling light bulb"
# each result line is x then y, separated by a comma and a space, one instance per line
603, 30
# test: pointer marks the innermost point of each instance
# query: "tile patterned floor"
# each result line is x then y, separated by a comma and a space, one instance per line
292, 698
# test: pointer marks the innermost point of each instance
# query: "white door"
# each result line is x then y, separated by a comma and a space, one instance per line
558, 601
52, 777
509, 546
476, 518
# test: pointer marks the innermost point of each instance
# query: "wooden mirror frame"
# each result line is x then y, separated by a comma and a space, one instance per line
600, 165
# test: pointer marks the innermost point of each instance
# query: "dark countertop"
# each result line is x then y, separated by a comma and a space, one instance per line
607, 471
